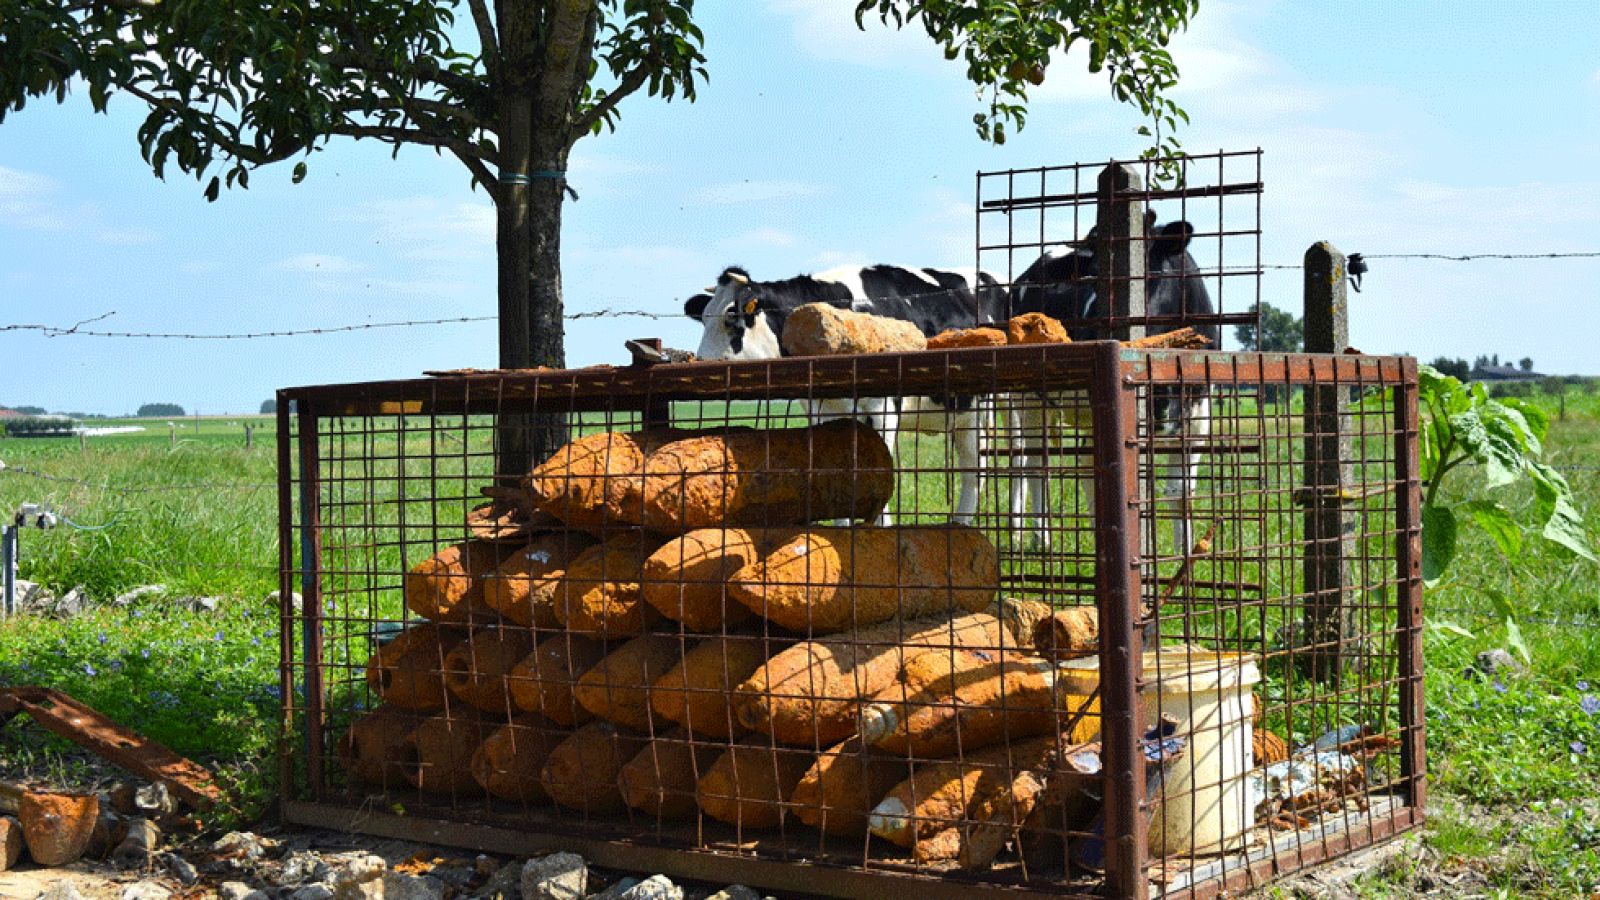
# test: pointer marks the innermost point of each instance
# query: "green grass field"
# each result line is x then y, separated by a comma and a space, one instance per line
1513, 762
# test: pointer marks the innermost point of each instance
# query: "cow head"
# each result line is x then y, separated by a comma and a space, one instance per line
739, 323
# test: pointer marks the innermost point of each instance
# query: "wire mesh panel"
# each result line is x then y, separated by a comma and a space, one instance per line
1111, 250
748, 616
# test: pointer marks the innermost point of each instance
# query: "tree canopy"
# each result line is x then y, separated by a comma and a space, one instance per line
1281, 332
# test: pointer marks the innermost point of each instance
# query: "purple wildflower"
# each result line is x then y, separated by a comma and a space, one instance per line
1583, 685
145, 653
101, 637
89, 670
1499, 686
217, 637
1589, 704
1578, 747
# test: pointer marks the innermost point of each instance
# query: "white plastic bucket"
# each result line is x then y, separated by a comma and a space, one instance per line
1202, 803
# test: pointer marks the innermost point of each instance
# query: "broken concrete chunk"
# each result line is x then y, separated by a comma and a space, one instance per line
145, 890
559, 876
10, 842
60, 890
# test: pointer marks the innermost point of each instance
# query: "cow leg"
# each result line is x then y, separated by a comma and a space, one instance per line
885, 418
1027, 427
1194, 421
967, 433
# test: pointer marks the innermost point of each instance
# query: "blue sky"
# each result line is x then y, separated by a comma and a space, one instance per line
1387, 128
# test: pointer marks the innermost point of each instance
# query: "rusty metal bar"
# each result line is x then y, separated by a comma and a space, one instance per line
1139, 194
1121, 641
311, 570
1408, 563
286, 609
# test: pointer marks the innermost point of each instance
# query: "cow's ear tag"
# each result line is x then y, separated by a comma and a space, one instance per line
750, 307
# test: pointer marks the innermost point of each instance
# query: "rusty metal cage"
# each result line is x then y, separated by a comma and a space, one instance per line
1125, 672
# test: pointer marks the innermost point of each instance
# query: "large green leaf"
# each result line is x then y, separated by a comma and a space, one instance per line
1562, 522
1438, 542
1508, 614
1500, 457
1497, 521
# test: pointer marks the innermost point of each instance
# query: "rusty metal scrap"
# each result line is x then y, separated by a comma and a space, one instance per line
69, 718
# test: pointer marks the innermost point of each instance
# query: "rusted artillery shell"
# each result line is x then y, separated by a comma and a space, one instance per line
950, 795
968, 337
742, 477
507, 590
822, 329
57, 826
545, 680
1021, 617
618, 688
409, 670
686, 579
508, 762
830, 579
947, 701
1036, 328
748, 784
373, 749
1267, 748
810, 694
698, 692
660, 779
581, 772
448, 586
438, 753
11, 842
595, 481
478, 670
842, 786
1068, 633
599, 591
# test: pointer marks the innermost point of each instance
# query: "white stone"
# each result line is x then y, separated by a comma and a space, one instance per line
145, 890
60, 890
312, 892
559, 876
138, 593
238, 890
737, 892
656, 887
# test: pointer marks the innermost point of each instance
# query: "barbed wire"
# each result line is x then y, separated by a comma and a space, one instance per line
77, 329
1480, 615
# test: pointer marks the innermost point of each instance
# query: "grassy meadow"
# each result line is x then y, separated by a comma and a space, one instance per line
1514, 761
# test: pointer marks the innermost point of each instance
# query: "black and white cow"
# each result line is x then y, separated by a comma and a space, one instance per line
1062, 285
744, 319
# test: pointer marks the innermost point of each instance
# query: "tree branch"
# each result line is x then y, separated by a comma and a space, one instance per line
442, 110
486, 37
630, 82
394, 135
481, 174
563, 51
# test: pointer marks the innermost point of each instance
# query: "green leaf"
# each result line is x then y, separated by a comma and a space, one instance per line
1451, 629
1498, 522
299, 173
213, 190
1562, 522
1501, 459
1514, 639
1438, 542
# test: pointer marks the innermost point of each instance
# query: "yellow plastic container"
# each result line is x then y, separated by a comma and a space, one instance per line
1202, 800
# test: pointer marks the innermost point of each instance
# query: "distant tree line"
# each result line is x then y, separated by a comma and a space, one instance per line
159, 410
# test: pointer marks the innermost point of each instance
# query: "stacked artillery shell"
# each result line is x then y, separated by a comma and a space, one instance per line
408, 671
545, 680
698, 692
822, 329
438, 752
373, 748
581, 772
747, 785
478, 669
508, 590
830, 579
990, 336
810, 694
599, 591
686, 579
1068, 633
1036, 328
593, 482
956, 700
929, 811
448, 586
660, 779
841, 787
741, 477
508, 762
618, 688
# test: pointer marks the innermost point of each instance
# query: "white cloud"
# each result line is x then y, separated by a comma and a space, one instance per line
764, 237
826, 29
748, 191
29, 201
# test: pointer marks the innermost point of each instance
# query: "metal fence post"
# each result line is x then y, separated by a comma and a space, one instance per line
1119, 222
8, 568
1327, 421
